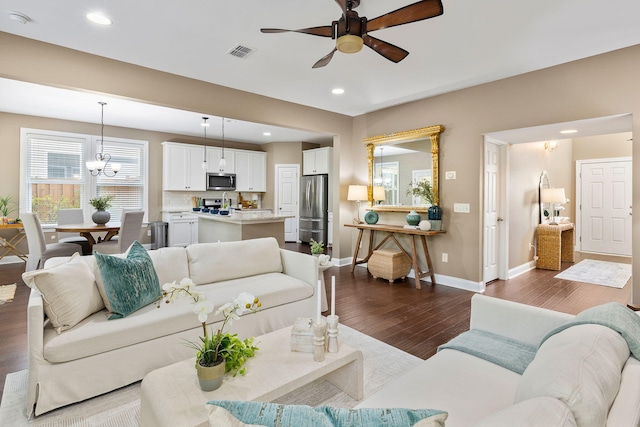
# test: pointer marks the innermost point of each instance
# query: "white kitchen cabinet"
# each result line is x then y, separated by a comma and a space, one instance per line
182, 167
317, 161
183, 228
251, 170
214, 154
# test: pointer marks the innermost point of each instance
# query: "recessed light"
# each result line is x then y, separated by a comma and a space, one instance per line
266, 133
99, 18
19, 17
337, 91
567, 131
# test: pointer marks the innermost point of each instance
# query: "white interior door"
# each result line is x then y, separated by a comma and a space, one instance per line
605, 214
492, 220
288, 179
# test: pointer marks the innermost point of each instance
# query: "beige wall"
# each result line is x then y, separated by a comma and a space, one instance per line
283, 153
572, 91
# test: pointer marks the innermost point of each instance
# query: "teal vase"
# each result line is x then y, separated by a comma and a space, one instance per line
371, 217
413, 218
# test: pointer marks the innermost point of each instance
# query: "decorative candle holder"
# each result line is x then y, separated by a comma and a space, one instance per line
319, 342
332, 333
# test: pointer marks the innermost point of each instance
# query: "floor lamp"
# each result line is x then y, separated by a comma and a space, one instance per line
553, 196
357, 193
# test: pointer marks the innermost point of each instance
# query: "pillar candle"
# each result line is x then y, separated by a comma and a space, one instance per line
319, 288
333, 295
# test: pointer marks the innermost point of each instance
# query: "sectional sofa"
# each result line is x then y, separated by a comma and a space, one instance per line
71, 362
526, 366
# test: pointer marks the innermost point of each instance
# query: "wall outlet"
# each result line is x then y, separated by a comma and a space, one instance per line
445, 257
53, 237
148, 233
450, 175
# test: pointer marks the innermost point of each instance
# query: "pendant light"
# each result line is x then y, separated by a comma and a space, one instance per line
205, 125
223, 161
99, 165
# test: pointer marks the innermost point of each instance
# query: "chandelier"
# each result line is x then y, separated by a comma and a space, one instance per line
99, 165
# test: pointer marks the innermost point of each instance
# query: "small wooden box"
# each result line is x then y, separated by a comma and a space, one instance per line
302, 335
389, 264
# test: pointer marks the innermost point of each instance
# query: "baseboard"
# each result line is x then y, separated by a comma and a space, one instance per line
453, 282
521, 269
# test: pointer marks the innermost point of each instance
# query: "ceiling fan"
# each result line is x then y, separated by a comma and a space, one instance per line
351, 31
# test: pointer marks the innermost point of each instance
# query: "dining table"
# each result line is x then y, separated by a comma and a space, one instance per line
87, 229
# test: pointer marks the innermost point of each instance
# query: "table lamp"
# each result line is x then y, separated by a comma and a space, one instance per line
553, 196
378, 193
357, 193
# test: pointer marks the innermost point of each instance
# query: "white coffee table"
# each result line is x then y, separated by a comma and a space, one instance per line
170, 396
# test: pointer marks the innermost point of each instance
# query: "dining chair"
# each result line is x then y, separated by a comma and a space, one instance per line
39, 250
130, 228
73, 216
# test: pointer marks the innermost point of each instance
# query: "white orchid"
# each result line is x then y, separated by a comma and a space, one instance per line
212, 344
202, 309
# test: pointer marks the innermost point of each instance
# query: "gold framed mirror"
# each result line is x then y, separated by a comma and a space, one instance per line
396, 160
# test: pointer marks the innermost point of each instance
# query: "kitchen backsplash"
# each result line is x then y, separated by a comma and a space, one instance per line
179, 200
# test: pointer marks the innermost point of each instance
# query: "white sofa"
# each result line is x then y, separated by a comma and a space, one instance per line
99, 355
572, 380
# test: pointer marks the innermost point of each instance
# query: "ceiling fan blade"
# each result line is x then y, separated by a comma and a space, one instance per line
389, 51
325, 60
324, 31
343, 6
414, 12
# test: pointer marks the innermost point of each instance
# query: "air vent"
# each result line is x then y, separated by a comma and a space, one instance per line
240, 51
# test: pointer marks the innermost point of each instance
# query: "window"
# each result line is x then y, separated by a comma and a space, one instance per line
54, 176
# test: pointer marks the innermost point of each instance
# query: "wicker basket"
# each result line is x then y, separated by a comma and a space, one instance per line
389, 264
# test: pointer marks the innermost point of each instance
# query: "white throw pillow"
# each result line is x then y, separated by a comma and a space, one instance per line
68, 290
536, 412
582, 367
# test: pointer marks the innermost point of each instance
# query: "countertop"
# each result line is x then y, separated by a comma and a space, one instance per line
244, 218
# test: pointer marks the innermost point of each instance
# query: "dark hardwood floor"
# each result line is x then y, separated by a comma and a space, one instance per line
416, 321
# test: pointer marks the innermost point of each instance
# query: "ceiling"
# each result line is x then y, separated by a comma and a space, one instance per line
472, 43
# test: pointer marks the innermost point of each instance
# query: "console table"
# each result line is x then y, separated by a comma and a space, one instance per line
10, 246
554, 244
389, 231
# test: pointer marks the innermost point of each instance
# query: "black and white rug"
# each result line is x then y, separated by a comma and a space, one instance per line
121, 408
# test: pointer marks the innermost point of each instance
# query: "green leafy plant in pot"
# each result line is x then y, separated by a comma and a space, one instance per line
424, 190
101, 204
6, 207
317, 248
218, 352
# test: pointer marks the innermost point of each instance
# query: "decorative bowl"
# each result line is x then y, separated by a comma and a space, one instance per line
223, 212
214, 211
196, 209
205, 210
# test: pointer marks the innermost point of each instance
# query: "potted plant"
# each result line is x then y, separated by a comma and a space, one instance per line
101, 204
317, 248
218, 352
6, 208
424, 190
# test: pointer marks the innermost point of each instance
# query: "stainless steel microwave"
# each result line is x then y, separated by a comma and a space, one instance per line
221, 181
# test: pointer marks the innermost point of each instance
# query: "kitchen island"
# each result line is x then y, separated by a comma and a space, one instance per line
240, 226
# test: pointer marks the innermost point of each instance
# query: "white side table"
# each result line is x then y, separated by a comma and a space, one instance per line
321, 269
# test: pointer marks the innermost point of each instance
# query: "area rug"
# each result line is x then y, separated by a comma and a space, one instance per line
7, 292
121, 408
612, 274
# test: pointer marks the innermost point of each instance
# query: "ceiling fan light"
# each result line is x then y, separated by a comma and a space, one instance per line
349, 43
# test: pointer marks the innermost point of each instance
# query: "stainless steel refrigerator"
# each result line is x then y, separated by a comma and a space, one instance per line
314, 210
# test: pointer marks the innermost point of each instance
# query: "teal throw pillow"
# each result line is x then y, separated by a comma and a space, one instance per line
279, 415
129, 283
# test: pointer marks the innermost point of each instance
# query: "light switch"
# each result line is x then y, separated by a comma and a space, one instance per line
461, 207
